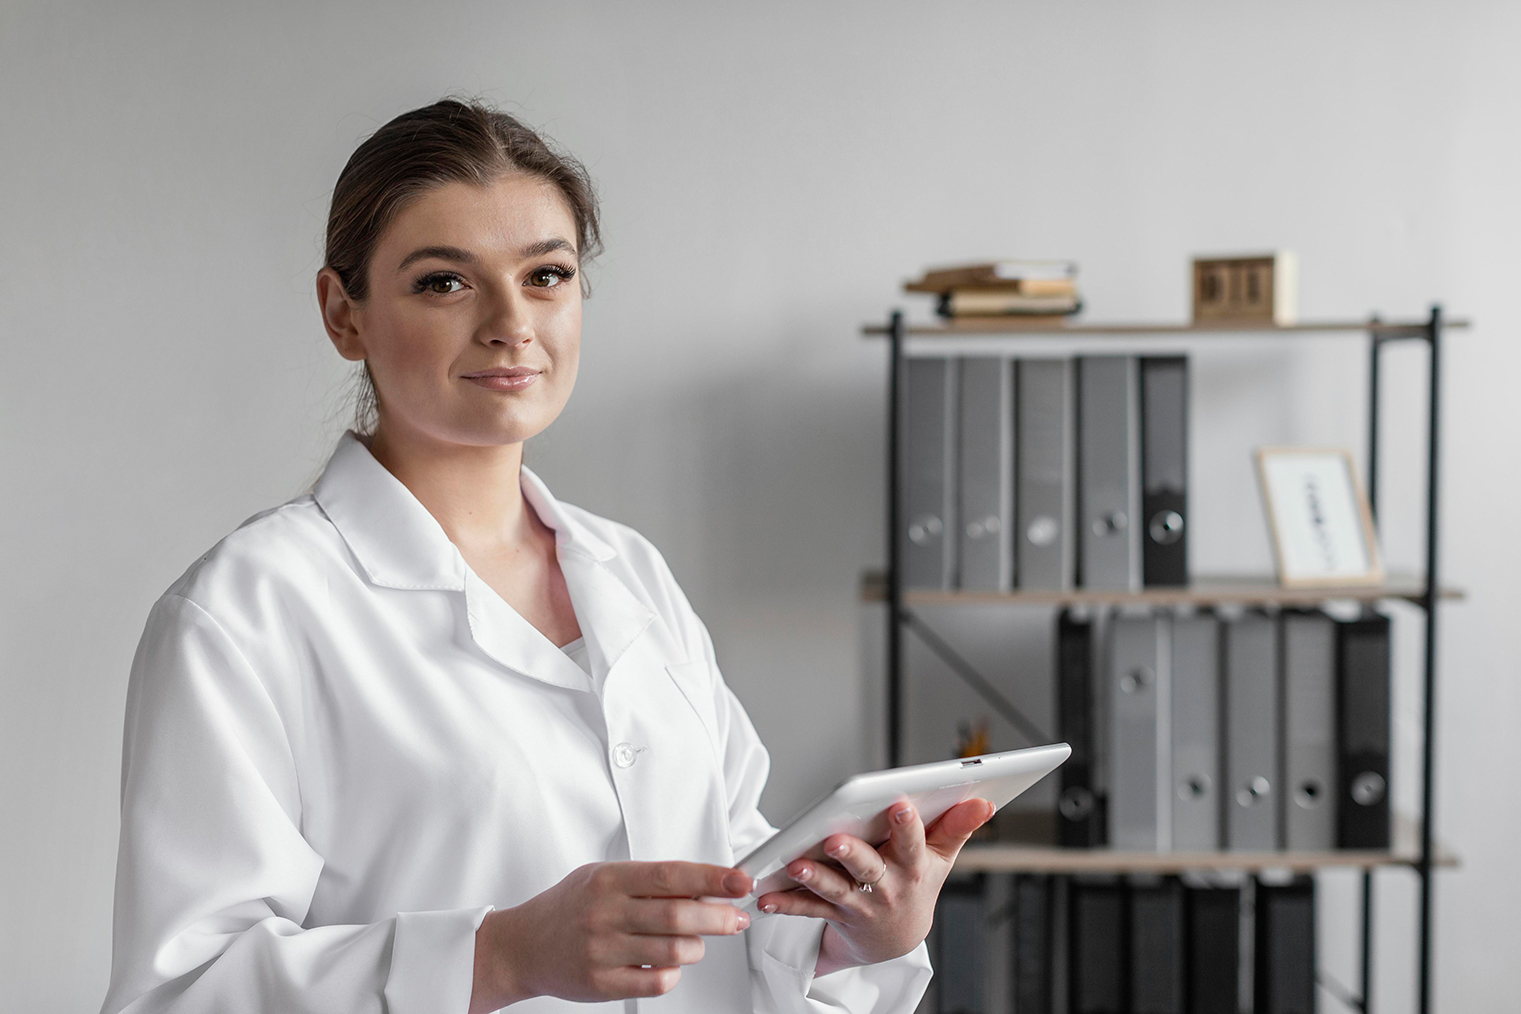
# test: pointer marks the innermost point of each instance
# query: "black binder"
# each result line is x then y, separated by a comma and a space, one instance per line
1032, 964
1214, 950
1157, 948
960, 948
1164, 470
1080, 808
1362, 677
1285, 973
1097, 965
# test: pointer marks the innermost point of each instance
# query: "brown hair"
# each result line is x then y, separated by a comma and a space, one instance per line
450, 141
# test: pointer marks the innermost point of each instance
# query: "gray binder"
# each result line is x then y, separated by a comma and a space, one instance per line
1109, 488
987, 473
1139, 756
928, 442
1196, 733
1043, 495
1309, 734
1251, 733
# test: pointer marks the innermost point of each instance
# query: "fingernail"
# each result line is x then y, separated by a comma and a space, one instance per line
769, 907
839, 850
803, 875
737, 883
903, 815
744, 920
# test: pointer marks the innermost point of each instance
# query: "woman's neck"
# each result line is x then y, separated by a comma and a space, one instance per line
473, 492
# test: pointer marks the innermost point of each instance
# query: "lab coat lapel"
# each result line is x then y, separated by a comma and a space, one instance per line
611, 616
612, 619
501, 632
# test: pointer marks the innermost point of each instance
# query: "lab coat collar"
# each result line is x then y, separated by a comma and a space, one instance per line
396, 541
400, 545
569, 533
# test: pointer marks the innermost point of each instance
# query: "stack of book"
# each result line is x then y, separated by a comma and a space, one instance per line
1033, 289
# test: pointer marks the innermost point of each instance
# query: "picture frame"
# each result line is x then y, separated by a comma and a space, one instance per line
1319, 518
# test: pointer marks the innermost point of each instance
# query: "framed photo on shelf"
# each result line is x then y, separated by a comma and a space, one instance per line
1318, 514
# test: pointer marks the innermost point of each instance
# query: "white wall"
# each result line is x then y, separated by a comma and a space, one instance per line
771, 173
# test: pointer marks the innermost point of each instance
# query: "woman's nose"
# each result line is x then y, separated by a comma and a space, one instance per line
509, 322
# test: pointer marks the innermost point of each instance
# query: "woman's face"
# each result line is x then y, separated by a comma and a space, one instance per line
472, 325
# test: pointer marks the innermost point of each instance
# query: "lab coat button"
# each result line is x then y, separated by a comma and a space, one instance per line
624, 755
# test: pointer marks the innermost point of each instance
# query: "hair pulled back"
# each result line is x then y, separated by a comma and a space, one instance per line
449, 141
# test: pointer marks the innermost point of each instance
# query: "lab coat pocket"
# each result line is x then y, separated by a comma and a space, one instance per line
695, 681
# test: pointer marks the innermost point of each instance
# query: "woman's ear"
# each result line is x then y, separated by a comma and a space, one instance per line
338, 315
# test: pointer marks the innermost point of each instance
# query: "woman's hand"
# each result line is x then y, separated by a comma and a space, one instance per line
608, 931
905, 876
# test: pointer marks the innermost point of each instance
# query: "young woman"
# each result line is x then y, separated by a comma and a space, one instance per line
429, 740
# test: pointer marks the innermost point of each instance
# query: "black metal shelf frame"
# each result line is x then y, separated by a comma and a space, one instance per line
901, 619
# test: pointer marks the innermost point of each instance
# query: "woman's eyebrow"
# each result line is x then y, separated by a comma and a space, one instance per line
546, 246
463, 256
447, 253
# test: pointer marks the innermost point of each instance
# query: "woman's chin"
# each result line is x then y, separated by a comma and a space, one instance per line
498, 432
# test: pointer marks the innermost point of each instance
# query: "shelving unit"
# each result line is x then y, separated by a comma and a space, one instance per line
999, 858
1414, 846
1204, 591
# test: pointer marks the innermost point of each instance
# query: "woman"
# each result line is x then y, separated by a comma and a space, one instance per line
429, 740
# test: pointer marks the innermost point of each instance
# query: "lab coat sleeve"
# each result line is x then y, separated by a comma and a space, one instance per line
214, 878
783, 949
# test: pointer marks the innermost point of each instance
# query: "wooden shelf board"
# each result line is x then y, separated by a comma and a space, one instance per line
1204, 591
1014, 326
976, 858
990, 857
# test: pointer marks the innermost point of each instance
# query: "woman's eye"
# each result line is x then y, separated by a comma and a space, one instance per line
549, 277
440, 284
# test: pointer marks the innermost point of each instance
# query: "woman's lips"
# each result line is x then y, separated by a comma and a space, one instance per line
513, 379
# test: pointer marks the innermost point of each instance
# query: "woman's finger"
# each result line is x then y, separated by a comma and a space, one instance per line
826, 882
905, 835
675, 879
956, 825
862, 862
619, 983
683, 916
634, 950
798, 902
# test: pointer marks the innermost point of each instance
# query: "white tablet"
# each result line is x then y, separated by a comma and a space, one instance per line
858, 805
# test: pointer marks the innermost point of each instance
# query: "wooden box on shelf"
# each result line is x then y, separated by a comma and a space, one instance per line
1250, 289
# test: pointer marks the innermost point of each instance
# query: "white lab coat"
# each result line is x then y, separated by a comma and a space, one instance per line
343, 749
